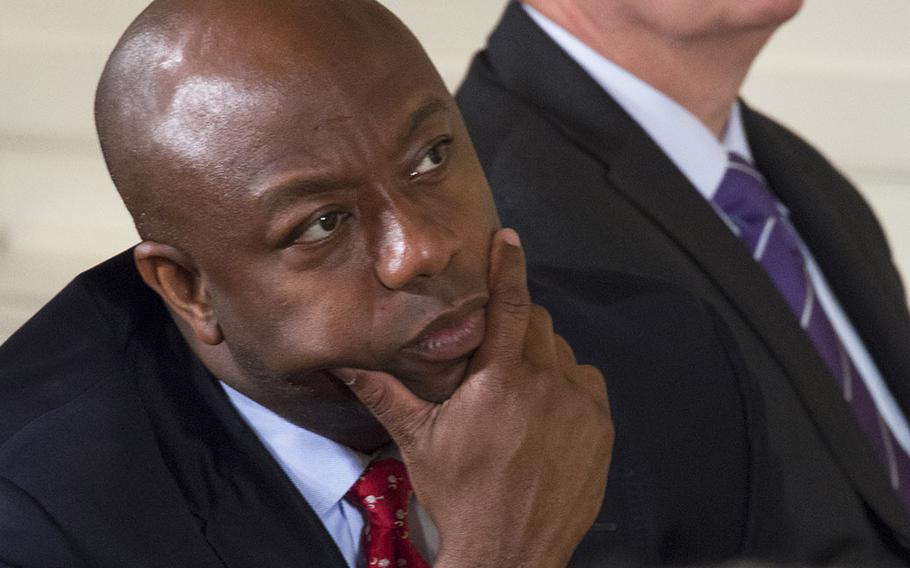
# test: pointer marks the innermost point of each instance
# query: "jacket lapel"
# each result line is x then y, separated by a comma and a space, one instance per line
247, 508
881, 320
863, 278
693, 225
529, 64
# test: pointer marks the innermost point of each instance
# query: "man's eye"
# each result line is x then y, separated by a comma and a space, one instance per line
432, 159
322, 227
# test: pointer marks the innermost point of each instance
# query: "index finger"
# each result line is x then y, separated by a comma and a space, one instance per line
508, 309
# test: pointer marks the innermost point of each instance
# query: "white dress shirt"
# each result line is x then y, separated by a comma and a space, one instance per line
703, 158
323, 471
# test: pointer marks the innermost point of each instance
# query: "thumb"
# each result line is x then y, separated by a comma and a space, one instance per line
400, 411
509, 307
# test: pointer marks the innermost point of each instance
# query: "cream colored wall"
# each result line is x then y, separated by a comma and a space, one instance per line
839, 74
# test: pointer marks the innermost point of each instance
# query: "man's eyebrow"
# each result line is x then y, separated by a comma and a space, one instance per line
289, 190
425, 111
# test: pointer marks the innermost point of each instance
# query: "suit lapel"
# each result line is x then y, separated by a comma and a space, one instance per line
247, 508
861, 278
693, 225
535, 69
850, 273
256, 502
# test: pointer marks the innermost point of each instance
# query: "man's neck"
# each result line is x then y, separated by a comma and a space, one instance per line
703, 74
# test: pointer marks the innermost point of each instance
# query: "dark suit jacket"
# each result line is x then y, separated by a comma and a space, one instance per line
118, 448
586, 187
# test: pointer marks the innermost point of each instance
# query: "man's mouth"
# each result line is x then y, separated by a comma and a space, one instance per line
452, 335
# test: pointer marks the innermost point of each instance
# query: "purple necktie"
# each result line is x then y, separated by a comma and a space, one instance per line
761, 222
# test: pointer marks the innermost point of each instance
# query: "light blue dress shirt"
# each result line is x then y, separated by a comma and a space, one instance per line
702, 158
323, 471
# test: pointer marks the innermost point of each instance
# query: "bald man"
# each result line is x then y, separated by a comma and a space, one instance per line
613, 138
322, 288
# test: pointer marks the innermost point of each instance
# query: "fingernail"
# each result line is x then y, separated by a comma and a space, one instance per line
511, 236
346, 376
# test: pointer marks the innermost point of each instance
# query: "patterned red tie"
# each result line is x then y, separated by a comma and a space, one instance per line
383, 492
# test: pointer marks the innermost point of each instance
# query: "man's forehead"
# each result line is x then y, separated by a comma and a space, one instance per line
201, 96
206, 77
204, 108
203, 111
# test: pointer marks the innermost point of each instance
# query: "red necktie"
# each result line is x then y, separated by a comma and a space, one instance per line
383, 492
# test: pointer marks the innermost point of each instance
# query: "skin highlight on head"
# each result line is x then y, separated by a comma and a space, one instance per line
308, 199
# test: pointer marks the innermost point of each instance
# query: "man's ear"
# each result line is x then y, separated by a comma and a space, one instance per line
174, 276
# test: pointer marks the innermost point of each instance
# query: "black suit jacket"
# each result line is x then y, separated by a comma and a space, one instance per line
118, 448
586, 187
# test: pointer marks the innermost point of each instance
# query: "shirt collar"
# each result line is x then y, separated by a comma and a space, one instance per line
698, 154
321, 469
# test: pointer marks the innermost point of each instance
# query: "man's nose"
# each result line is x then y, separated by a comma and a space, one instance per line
413, 245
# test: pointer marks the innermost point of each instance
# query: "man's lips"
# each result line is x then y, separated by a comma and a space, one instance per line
453, 334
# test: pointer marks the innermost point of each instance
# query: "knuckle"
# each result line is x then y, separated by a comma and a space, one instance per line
540, 317
590, 372
378, 399
600, 428
514, 294
539, 313
565, 350
609, 431
514, 308
592, 375
403, 432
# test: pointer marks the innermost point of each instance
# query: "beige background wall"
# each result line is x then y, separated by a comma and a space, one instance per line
839, 74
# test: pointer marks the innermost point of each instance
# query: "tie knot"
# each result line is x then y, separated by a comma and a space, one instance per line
744, 195
383, 492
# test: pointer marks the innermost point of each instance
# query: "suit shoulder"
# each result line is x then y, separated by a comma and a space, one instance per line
606, 287
495, 116
780, 154
647, 326
765, 132
74, 343
28, 534
75, 428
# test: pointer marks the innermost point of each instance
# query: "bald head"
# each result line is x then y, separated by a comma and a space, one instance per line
189, 81
308, 196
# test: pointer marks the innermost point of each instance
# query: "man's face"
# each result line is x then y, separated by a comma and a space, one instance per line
345, 223
691, 19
